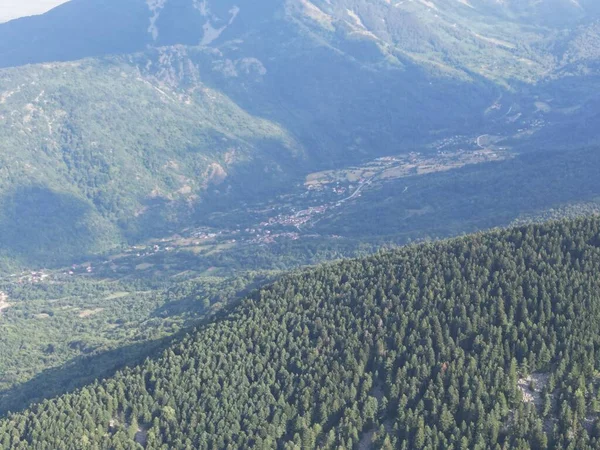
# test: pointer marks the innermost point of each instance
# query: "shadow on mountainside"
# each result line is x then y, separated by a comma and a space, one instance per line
84, 370
528, 187
76, 30
40, 227
78, 373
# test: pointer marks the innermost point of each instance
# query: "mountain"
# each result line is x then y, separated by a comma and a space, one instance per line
160, 158
91, 149
123, 121
450, 34
119, 148
486, 341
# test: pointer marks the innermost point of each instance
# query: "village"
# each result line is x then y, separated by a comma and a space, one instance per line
289, 217
4, 302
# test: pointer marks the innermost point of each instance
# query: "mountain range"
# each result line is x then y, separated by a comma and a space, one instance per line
161, 160
131, 119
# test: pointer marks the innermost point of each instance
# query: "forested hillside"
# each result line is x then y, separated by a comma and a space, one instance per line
487, 341
93, 153
160, 159
122, 121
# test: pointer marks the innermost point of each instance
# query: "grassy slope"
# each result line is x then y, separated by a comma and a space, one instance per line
121, 148
89, 148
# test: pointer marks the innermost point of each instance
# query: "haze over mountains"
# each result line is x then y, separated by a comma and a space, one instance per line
137, 117
13, 9
160, 160
505, 28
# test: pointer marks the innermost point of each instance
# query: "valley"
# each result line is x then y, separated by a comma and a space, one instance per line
361, 331
196, 196
243, 245
292, 216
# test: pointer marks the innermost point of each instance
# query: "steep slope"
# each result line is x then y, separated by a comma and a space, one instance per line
93, 152
84, 28
482, 342
75, 30
500, 40
125, 147
184, 107
122, 148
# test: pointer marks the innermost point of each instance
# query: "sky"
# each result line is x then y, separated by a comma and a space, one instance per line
12, 9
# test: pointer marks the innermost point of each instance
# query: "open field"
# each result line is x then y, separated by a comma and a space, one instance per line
401, 166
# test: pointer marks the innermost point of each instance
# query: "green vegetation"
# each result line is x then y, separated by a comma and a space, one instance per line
151, 133
473, 198
62, 329
487, 341
64, 332
94, 155
176, 174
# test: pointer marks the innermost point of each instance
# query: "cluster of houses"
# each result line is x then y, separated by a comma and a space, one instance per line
296, 219
33, 277
269, 238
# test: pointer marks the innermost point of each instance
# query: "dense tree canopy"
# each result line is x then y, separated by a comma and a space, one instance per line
427, 347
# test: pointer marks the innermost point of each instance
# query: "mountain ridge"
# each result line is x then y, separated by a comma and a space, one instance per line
477, 342
295, 86
413, 29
